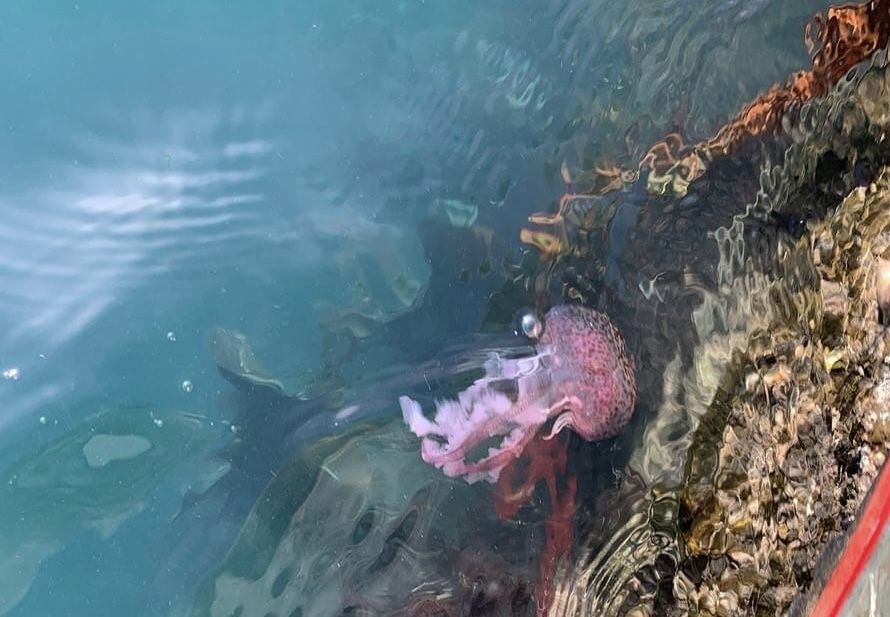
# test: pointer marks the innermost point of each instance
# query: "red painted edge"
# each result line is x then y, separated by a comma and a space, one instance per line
859, 550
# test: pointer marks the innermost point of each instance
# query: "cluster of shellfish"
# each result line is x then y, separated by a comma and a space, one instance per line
806, 435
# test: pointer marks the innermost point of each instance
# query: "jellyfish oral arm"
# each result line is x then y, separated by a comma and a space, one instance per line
482, 413
490, 467
479, 413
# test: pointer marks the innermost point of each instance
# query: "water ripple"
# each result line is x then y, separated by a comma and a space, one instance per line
119, 216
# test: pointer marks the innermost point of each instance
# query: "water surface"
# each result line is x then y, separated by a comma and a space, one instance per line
166, 169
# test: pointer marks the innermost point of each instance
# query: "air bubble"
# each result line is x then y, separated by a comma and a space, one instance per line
530, 325
171, 336
187, 386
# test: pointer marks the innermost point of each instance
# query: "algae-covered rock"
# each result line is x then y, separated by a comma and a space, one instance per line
763, 369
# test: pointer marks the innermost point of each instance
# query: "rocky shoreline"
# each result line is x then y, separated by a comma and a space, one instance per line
803, 436
770, 426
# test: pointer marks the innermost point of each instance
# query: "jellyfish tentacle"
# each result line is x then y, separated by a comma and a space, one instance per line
571, 406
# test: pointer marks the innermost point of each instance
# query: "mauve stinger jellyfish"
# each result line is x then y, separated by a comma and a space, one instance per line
580, 375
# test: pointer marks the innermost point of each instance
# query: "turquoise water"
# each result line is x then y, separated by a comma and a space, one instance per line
168, 168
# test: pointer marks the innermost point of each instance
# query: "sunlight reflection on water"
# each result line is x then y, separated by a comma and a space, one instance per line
180, 205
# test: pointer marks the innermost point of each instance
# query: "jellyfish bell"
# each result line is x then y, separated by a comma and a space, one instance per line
529, 324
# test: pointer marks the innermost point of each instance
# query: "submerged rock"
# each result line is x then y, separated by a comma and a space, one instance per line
802, 435
762, 363
366, 533
93, 478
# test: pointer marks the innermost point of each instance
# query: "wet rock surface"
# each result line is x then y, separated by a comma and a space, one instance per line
802, 435
767, 421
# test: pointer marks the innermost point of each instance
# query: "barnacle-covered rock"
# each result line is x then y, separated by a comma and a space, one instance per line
764, 434
797, 454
